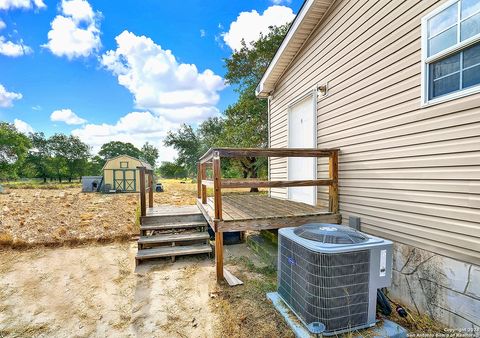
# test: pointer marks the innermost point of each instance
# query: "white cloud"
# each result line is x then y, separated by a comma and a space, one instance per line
249, 25
136, 128
78, 10
9, 48
176, 91
75, 33
24, 4
279, 2
23, 126
67, 116
7, 98
203, 33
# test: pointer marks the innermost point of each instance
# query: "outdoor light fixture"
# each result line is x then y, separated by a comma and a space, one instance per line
323, 88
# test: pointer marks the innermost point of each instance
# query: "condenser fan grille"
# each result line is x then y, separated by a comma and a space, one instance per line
330, 233
329, 288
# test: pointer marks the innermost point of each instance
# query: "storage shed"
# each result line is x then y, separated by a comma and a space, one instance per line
92, 183
120, 173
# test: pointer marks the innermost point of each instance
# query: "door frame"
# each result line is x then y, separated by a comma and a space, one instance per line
124, 179
313, 94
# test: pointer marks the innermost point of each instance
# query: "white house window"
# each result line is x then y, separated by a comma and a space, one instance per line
451, 51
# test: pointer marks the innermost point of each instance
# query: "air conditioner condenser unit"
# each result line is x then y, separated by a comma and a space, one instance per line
328, 274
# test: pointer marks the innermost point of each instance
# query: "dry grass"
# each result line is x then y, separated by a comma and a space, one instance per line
35, 184
244, 311
25, 330
184, 192
6, 239
32, 217
56, 215
416, 323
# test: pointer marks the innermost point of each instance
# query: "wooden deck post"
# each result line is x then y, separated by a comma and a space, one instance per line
333, 175
150, 189
199, 180
203, 174
217, 187
143, 202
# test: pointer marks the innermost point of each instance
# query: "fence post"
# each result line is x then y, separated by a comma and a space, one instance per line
143, 202
333, 175
199, 180
150, 189
217, 187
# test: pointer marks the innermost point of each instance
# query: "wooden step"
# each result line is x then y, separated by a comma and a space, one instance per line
170, 226
172, 251
168, 238
172, 218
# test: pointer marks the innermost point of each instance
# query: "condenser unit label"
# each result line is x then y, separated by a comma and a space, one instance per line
383, 263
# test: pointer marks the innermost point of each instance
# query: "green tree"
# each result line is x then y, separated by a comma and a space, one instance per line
38, 158
69, 156
149, 154
246, 121
116, 148
245, 67
95, 166
13, 150
171, 170
77, 155
188, 145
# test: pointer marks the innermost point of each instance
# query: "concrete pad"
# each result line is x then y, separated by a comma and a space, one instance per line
385, 328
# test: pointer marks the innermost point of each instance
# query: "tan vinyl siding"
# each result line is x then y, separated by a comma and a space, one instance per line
411, 173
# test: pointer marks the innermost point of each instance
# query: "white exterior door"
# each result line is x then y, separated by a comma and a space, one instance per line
302, 134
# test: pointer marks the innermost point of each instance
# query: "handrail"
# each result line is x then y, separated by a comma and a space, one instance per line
213, 156
254, 183
266, 152
143, 189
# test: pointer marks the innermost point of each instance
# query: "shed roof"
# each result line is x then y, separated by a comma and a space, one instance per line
142, 163
308, 18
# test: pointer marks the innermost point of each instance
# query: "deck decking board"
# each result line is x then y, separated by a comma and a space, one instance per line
246, 203
282, 209
274, 208
233, 212
255, 212
299, 209
168, 210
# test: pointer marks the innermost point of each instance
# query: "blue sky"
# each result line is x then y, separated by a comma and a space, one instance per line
122, 70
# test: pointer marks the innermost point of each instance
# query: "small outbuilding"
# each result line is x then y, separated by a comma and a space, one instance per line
92, 183
120, 173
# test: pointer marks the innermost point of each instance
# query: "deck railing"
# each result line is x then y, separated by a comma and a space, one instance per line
214, 156
146, 186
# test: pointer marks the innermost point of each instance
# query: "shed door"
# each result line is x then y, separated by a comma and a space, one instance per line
124, 180
302, 134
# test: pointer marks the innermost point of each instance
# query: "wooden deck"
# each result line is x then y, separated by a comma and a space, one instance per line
258, 212
161, 210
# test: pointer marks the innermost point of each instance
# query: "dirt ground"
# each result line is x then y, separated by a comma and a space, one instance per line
95, 291
90, 288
